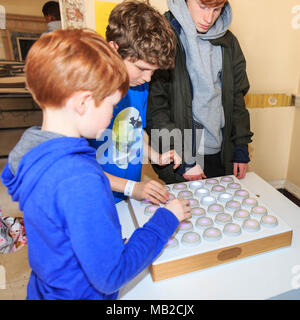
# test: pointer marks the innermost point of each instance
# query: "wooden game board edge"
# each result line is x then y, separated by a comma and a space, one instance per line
216, 257
131, 211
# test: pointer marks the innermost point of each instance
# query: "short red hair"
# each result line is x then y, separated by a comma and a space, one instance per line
67, 61
213, 3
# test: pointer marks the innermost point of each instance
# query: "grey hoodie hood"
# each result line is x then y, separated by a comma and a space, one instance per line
31, 138
182, 14
205, 64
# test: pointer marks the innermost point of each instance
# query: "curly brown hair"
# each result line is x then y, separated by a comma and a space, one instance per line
142, 33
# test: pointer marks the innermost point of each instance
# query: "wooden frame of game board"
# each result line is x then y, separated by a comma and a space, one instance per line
205, 260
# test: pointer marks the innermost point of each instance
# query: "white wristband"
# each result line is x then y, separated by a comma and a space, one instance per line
129, 188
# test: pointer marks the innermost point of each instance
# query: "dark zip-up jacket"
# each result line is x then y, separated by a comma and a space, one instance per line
171, 94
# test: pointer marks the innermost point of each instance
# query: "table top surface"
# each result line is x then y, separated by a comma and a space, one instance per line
257, 277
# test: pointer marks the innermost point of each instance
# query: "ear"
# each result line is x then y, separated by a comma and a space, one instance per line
48, 19
114, 45
51, 18
80, 101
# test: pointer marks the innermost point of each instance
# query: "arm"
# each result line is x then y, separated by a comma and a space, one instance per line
158, 108
150, 190
157, 158
241, 134
95, 233
117, 184
163, 115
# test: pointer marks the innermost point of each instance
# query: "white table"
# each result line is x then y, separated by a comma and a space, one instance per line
257, 277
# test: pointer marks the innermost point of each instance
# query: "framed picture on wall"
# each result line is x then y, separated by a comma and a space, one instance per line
21, 43
73, 13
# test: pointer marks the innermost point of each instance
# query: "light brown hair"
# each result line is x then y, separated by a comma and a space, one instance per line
67, 61
142, 33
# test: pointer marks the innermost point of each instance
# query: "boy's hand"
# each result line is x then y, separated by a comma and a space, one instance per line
180, 208
196, 173
150, 190
168, 157
240, 170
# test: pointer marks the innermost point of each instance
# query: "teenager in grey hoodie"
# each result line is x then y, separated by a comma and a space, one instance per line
204, 63
199, 23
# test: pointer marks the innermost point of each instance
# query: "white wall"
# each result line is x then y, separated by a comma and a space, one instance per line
271, 147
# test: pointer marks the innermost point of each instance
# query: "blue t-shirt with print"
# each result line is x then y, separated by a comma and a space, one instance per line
120, 147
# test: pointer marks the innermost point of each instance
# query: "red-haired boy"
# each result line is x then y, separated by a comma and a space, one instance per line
75, 244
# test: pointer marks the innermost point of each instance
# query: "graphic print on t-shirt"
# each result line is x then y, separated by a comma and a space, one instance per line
127, 133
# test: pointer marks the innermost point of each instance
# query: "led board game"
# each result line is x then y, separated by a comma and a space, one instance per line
228, 223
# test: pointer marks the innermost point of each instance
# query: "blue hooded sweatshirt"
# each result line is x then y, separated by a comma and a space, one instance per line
75, 244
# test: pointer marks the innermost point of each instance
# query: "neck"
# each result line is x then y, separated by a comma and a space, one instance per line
59, 121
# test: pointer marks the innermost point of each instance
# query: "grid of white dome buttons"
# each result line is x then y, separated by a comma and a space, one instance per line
220, 208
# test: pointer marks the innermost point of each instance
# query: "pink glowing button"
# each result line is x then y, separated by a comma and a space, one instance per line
198, 212
185, 226
172, 244
226, 180
185, 195
179, 186
194, 203
204, 222
251, 225
232, 205
258, 212
146, 201
212, 234
241, 194
215, 209
150, 210
211, 182
223, 218
241, 215
232, 229
269, 221
191, 239
249, 203
217, 189
234, 186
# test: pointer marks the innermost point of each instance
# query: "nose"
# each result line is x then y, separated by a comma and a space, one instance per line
147, 75
209, 16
